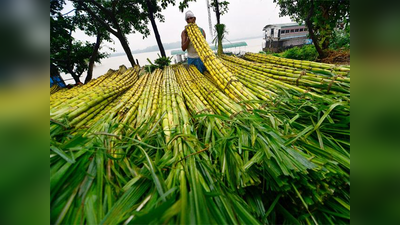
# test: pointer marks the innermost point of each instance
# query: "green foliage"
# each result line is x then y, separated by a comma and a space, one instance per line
91, 27
220, 8
306, 52
56, 6
67, 54
126, 15
122, 16
160, 63
270, 53
221, 32
150, 68
221, 5
340, 39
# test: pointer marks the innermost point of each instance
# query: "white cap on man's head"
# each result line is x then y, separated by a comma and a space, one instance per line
189, 14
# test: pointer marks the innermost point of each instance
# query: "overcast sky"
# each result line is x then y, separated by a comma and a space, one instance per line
245, 18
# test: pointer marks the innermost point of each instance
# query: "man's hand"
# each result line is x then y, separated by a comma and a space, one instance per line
185, 35
184, 40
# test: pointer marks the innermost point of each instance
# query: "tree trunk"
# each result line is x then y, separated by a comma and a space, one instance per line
93, 57
76, 77
308, 21
315, 40
217, 13
219, 35
155, 29
126, 48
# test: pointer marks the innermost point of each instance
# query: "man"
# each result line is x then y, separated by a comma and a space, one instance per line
193, 57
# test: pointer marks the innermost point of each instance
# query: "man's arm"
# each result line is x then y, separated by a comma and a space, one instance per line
184, 40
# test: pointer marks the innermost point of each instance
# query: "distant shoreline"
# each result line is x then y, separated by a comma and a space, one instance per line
169, 46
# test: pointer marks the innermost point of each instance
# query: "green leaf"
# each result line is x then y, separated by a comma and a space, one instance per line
63, 155
271, 207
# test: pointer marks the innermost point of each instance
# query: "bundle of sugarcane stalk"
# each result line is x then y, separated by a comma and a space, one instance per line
223, 78
293, 76
316, 67
273, 84
177, 146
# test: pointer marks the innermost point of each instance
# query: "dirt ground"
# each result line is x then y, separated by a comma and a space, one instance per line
340, 57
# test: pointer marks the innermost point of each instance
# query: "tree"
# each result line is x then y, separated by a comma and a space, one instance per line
220, 8
92, 28
61, 44
321, 18
66, 54
119, 17
57, 33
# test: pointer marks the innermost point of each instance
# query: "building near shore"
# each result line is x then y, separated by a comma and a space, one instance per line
279, 37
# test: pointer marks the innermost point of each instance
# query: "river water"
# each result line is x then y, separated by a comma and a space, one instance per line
253, 45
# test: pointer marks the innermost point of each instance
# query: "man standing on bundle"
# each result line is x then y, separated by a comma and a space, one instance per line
193, 57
